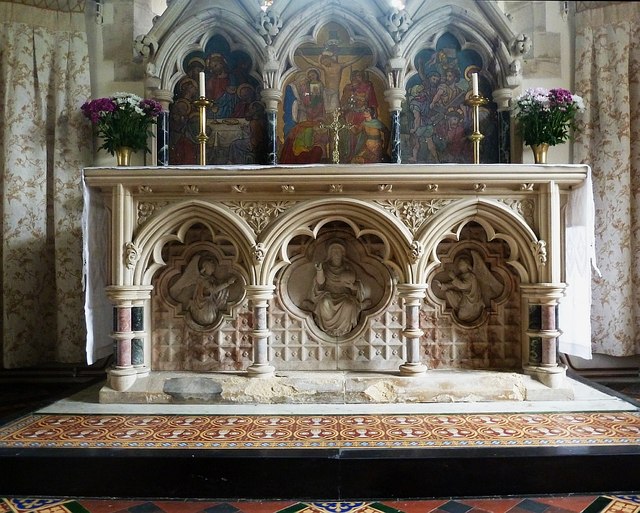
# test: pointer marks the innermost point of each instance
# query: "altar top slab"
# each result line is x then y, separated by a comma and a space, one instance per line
383, 178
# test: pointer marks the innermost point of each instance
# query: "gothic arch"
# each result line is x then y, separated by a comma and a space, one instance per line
361, 216
472, 32
188, 37
172, 224
498, 221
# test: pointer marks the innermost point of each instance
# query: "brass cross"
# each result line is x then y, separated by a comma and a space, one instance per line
335, 126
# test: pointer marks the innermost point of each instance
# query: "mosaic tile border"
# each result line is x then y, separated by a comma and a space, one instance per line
323, 431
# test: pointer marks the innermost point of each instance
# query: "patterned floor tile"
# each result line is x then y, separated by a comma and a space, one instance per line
108, 506
24, 505
498, 505
262, 507
577, 503
623, 505
570, 504
376, 431
417, 506
187, 506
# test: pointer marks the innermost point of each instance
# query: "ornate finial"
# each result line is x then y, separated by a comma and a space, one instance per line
397, 22
268, 24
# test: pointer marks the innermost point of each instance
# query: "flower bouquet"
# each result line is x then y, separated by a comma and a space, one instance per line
122, 120
546, 116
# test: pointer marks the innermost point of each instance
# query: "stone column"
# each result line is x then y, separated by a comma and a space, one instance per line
412, 296
161, 139
395, 95
259, 297
129, 335
271, 98
540, 353
502, 98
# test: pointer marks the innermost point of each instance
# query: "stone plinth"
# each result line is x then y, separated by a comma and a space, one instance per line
448, 386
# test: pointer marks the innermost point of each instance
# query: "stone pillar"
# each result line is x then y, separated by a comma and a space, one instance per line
502, 98
161, 139
540, 352
259, 297
271, 99
412, 296
395, 95
129, 335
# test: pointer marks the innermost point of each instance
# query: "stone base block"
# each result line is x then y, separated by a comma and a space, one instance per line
446, 386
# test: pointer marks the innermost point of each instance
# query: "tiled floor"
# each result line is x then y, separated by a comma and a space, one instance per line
572, 504
70, 429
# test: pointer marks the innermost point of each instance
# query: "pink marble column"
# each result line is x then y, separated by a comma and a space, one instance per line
259, 297
412, 296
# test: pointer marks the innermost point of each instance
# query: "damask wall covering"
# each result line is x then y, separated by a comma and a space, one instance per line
44, 144
607, 65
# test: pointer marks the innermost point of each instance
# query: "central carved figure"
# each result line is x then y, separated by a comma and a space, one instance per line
337, 294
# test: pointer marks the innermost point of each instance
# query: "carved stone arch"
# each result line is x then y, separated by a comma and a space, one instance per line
362, 217
312, 16
491, 37
498, 221
193, 34
173, 223
356, 30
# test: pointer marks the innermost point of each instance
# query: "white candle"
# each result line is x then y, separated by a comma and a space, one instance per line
202, 88
474, 84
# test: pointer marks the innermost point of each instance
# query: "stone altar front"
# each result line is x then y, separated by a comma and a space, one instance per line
402, 269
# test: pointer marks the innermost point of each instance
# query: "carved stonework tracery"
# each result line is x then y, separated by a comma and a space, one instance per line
258, 214
525, 208
413, 213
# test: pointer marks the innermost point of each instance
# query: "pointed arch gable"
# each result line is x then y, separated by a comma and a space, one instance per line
498, 221
172, 224
361, 216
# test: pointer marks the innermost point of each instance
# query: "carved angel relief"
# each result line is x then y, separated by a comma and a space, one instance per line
468, 286
205, 289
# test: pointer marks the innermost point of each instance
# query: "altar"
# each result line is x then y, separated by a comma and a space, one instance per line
263, 271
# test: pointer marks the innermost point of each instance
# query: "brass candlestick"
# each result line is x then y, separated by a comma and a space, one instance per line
202, 103
475, 100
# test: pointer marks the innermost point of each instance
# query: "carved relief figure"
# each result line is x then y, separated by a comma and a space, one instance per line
202, 293
470, 287
337, 294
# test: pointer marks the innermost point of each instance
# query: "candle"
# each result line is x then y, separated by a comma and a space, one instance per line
202, 88
474, 83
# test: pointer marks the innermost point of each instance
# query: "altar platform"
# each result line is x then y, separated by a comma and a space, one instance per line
80, 447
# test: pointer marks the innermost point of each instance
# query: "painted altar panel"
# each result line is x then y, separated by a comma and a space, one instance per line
236, 123
436, 122
336, 76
